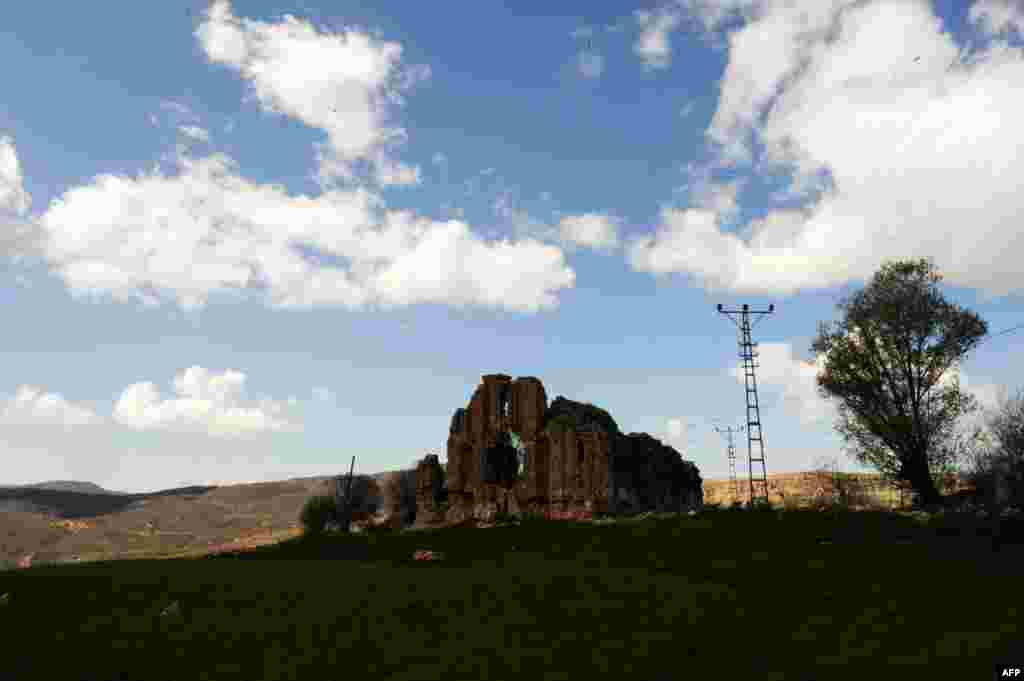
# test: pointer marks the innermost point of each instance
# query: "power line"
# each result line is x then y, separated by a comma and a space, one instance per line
988, 338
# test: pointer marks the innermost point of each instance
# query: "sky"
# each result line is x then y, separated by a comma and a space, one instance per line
246, 241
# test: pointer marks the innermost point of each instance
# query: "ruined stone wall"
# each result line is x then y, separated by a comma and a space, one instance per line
529, 403
568, 468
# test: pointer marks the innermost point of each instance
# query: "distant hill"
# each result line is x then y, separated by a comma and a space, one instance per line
67, 486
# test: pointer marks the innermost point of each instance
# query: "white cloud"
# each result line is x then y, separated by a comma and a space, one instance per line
593, 230
652, 46
591, 64
998, 16
32, 406
392, 173
921, 157
20, 236
194, 132
345, 84
209, 428
712, 14
13, 196
677, 432
780, 369
209, 402
524, 224
713, 195
208, 229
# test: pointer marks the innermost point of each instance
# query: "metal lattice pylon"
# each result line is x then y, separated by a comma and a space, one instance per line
754, 433
732, 460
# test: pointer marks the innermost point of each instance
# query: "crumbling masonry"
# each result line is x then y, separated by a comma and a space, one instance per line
508, 451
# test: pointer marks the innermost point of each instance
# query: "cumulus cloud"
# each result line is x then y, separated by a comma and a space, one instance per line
652, 46
677, 433
909, 143
781, 370
392, 173
205, 401
345, 84
207, 229
715, 196
592, 230
209, 427
13, 196
20, 236
998, 16
31, 405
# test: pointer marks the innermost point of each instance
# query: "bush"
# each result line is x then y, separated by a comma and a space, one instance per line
503, 517
316, 513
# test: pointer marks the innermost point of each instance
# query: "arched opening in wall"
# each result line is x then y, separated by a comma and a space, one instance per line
505, 403
522, 462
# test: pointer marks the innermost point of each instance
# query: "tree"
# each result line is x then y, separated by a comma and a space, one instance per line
898, 398
996, 462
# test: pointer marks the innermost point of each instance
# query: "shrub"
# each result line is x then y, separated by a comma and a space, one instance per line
503, 517
316, 513
533, 518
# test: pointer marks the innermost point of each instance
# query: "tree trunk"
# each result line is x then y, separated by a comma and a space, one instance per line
920, 478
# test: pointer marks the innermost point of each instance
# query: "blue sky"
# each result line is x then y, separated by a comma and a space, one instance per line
246, 241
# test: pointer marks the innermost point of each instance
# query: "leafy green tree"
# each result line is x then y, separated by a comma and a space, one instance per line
885, 362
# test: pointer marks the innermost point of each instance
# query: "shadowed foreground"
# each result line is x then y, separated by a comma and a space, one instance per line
796, 595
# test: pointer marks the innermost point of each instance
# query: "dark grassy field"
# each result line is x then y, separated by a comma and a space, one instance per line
760, 595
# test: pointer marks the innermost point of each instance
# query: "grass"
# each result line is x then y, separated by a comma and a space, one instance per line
790, 595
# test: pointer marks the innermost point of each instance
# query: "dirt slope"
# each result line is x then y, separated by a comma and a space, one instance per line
59, 525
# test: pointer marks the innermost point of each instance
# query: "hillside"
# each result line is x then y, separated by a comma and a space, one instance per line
66, 486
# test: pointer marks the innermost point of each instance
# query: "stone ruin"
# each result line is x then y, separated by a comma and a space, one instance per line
509, 451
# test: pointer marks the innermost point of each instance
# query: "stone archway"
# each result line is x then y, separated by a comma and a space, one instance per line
522, 455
